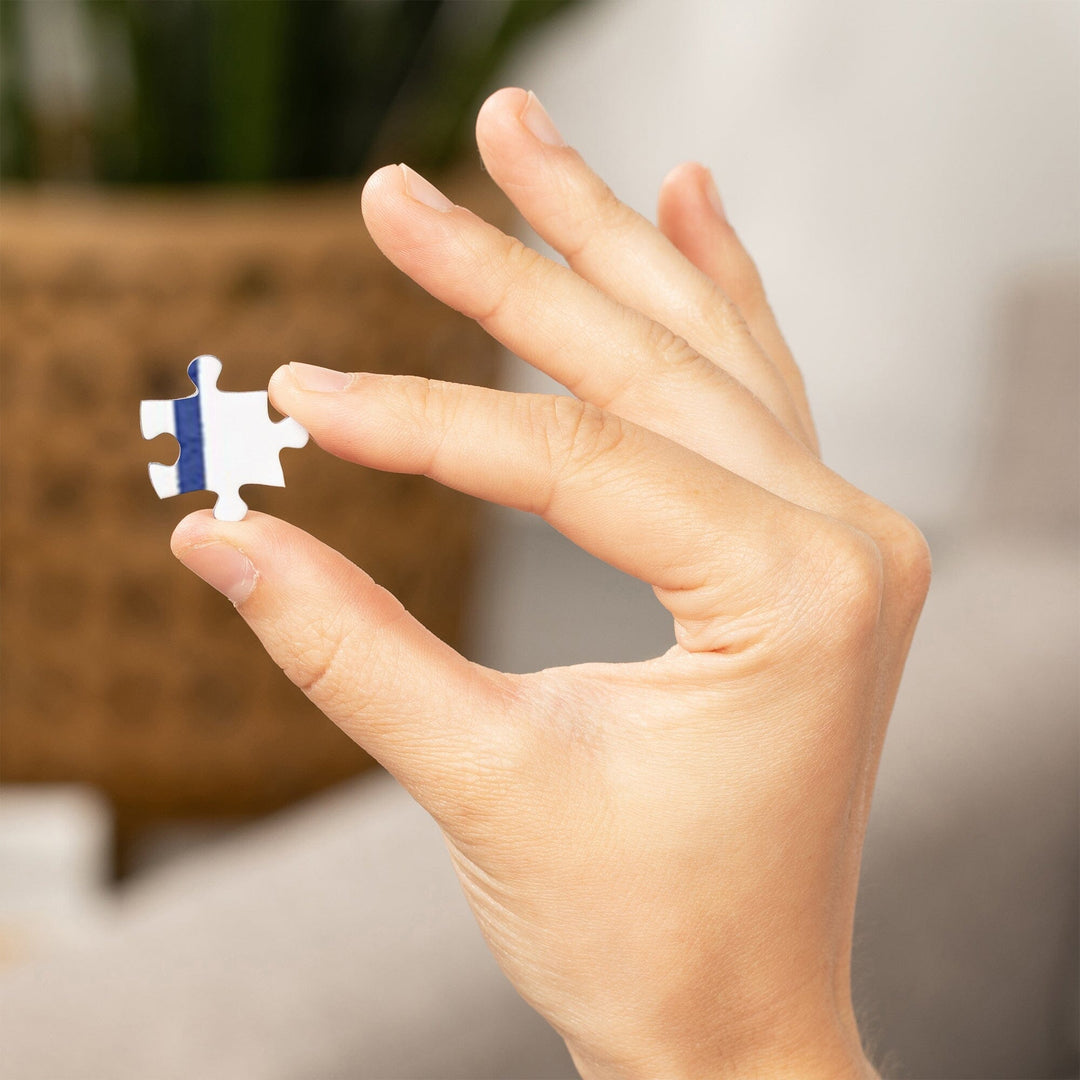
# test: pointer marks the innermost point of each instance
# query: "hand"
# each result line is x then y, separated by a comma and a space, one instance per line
663, 856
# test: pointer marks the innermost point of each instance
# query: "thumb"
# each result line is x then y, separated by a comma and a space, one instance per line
435, 720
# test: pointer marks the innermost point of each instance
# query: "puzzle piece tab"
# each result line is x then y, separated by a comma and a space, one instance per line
226, 440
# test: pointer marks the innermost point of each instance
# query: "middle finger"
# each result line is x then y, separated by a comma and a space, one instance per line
617, 249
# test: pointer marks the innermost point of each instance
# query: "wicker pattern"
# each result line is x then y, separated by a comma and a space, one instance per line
119, 668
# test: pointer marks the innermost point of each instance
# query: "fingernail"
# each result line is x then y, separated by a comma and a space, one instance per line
224, 567
424, 191
534, 116
714, 196
313, 377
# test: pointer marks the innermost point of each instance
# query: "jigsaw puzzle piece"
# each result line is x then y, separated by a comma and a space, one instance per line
230, 507
290, 433
163, 479
156, 418
159, 418
226, 440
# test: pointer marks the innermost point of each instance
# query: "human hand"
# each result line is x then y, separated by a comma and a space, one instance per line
663, 856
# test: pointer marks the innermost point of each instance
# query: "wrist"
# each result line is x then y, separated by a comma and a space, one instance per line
811, 1063
829, 1049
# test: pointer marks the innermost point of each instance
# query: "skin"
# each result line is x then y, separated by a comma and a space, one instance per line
663, 856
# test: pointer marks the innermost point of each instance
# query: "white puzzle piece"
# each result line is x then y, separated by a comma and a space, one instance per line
226, 440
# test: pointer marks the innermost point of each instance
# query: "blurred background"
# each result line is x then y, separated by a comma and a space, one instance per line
201, 876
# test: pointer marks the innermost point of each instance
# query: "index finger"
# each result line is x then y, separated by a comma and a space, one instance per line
715, 545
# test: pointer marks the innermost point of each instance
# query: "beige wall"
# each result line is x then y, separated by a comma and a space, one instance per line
898, 170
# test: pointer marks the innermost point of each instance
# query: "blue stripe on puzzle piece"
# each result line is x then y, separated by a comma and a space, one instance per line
191, 467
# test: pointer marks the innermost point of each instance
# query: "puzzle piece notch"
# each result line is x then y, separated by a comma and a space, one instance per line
226, 440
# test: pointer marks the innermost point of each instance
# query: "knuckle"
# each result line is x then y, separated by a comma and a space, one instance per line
725, 315
590, 211
439, 401
316, 664
336, 662
417, 401
908, 563
578, 434
518, 259
428, 408
847, 569
612, 213
315, 660
505, 269
671, 351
